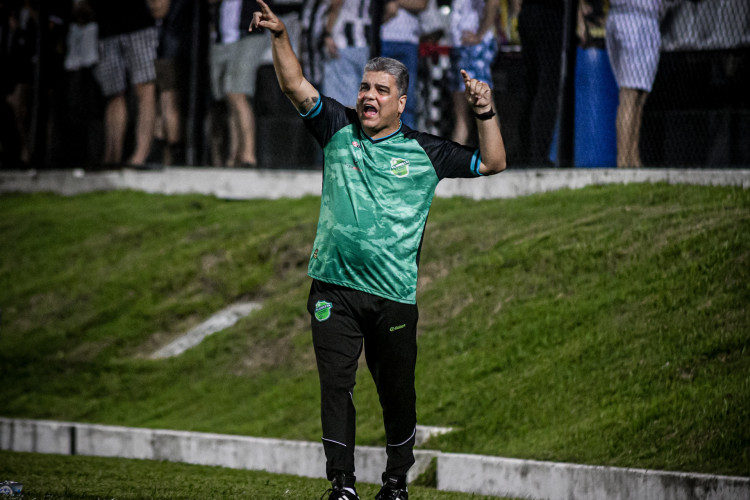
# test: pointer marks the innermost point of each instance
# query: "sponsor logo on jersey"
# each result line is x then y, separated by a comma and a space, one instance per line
399, 167
399, 327
322, 310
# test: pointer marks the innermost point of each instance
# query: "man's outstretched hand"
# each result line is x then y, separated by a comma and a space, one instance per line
478, 94
266, 19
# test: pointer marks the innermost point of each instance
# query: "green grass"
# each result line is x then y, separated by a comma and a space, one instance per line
56, 477
606, 326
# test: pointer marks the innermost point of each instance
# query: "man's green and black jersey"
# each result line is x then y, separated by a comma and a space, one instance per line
375, 200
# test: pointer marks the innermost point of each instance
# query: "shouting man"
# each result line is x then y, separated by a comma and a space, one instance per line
379, 179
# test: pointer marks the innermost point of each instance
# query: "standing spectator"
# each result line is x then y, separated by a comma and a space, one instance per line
399, 37
312, 20
540, 27
236, 54
633, 44
173, 21
18, 50
80, 130
347, 48
82, 39
474, 48
379, 178
127, 48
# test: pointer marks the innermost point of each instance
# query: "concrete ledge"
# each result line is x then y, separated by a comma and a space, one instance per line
279, 456
514, 183
274, 184
455, 472
558, 481
220, 182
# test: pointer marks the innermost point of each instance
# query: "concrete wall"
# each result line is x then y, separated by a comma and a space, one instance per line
455, 472
273, 184
557, 481
279, 456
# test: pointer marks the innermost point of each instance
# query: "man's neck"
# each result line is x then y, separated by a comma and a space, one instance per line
381, 133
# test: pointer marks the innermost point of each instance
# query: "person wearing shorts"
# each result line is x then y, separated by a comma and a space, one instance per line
633, 44
379, 178
127, 50
346, 41
236, 55
173, 21
474, 48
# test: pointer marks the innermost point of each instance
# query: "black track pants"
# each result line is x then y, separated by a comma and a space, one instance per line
342, 319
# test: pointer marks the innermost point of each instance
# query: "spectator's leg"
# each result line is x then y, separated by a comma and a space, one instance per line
628, 124
245, 123
170, 113
234, 134
17, 100
635, 152
144, 132
115, 124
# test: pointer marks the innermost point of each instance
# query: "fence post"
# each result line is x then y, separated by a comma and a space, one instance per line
197, 85
566, 98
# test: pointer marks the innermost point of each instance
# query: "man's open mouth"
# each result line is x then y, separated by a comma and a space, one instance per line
369, 110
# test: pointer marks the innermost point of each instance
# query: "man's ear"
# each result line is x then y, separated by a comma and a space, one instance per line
402, 104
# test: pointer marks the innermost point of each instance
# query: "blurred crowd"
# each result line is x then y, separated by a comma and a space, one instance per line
144, 83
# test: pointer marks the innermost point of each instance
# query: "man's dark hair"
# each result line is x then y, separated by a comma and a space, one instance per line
394, 68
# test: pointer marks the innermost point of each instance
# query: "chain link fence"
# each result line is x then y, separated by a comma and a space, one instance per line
696, 113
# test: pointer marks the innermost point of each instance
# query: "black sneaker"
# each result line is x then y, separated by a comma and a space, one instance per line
342, 488
394, 488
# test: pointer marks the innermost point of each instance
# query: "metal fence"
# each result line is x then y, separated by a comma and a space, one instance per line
554, 87
697, 113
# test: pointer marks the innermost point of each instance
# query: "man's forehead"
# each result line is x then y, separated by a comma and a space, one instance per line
379, 78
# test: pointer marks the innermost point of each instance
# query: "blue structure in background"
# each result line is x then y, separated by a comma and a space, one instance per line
596, 99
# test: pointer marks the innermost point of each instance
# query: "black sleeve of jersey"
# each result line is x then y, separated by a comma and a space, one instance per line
327, 117
449, 159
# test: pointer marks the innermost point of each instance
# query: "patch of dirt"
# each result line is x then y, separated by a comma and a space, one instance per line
288, 253
262, 354
87, 351
211, 260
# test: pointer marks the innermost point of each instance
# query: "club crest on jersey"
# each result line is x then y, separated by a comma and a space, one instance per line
322, 310
399, 167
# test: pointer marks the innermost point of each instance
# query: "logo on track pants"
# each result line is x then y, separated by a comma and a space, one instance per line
322, 310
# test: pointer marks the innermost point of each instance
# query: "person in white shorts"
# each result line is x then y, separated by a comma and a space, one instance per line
633, 44
236, 55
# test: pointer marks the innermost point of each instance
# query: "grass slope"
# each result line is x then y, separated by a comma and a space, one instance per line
607, 325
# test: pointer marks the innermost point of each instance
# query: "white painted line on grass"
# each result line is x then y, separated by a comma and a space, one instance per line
216, 323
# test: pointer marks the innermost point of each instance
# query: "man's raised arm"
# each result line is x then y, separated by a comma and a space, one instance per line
288, 70
491, 145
